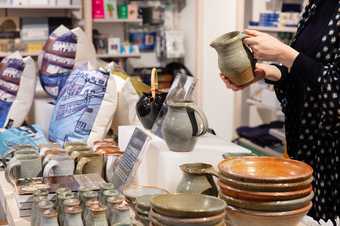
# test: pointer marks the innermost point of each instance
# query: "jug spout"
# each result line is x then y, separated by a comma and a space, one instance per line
226, 39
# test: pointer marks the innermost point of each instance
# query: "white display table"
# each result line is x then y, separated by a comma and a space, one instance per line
160, 166
9, 204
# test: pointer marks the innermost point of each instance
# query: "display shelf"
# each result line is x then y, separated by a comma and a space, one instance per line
40, 7
24, 54
273, 29
117, 21
118, 56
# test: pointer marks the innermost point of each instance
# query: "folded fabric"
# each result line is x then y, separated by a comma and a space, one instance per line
17, 88
80, 107
63, 49
30, 134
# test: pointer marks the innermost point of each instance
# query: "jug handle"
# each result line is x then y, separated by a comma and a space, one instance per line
203, 119
154, 83
6, 155
210, 171
9, 175
50, 165
249, 51
81, 164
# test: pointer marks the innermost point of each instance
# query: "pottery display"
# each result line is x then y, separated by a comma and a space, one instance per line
98, 216
143, 207
120, 214
180, 126
150, 104
269, 206
187, 205
107, 194
265, 170
240, 217
132, 192
198, 178
204, 221
43, 205
20, 149
263, 196
35, 210
86, 215
235, 59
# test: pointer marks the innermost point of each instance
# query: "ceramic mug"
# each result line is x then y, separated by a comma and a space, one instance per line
90, 163
235, 59
75, 153
23, 166
20, 149
59, 165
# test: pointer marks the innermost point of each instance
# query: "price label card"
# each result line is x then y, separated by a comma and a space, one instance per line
131, 158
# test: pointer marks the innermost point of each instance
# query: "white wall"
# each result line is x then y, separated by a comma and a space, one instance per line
218, 17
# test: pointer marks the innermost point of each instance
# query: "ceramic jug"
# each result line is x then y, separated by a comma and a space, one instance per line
198, 178
23, 166
180, 126
150, 104
120, 214
62, 197
90, 163
73, 216
87, 196
49, 218
235, 59
106, 194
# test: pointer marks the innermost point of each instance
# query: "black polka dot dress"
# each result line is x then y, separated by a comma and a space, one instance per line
310, 97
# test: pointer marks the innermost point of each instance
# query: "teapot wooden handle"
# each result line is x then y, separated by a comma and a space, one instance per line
154, 83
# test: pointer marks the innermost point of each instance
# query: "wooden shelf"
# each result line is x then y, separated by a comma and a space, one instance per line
274, 29
5, 54
40, 7
118, 56
117, 21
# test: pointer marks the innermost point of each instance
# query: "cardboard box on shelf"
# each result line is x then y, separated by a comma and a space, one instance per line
113, 45
110, 9
63, 2
98, 9
133, 11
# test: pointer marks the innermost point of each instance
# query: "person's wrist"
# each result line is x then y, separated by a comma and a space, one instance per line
288, 57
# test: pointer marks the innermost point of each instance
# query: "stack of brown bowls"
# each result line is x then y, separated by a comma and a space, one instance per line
265, 191
187, 210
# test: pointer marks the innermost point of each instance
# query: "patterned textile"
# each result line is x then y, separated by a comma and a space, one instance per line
313, 130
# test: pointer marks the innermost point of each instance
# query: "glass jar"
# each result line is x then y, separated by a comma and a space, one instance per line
44, 205
73, 216
49, 218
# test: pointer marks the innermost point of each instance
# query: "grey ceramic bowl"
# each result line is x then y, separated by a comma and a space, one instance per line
134, 191
203, 221
187, 205
239, 217
269, 206
263, 187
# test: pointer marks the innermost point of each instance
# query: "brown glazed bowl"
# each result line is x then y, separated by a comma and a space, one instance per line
240, 217
256, 169
266, 187
202, 221
274, 206
187, 205
263, 196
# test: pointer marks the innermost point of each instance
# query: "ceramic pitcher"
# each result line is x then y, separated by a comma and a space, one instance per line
234, 58
198, 178
180, 126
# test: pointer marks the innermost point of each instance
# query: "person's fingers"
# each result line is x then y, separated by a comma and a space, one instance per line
252, 32
250, 41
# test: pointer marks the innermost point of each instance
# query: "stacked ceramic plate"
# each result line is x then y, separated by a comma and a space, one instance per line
187, 210
265, 191
142, 208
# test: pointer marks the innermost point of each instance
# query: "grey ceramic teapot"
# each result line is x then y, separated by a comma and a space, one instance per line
181, 127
